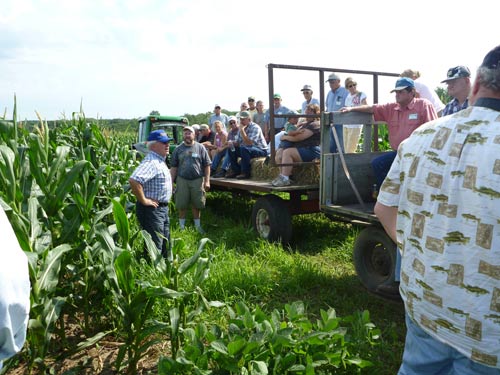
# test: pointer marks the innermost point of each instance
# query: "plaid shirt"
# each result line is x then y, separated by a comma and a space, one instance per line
154, 176
454, 106
254, 132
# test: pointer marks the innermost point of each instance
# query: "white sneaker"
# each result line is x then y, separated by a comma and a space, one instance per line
281, 182
276, 180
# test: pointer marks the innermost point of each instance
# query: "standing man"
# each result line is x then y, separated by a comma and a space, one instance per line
152, 186
279, 122
191, 173
459, 86
308, 92
252, 108
259, 116
14, 292
250, 143
440, 203
217, 115
335, 99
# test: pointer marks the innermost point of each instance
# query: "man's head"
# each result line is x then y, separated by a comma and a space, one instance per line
458, 82
307, 91
158, 141
217, 109
196, 128
334, 81
243, 106
188, 135
277, 100
405, 91
260, 106
251, 102
487, 83
204, 129
233, 122
244, 118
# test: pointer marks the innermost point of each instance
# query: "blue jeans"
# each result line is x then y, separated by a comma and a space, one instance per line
217, 158
156, 222
381, 165
246, 153
424, 355
340, 134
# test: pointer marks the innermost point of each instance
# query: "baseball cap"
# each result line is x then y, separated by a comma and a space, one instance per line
292, 112
190, 128
232, 118
195, 126
332, 77
306, 88
403, 83
217, 106
244, 114
277, 96
457, 72
159, 136
204, 126
251, 98
492, 59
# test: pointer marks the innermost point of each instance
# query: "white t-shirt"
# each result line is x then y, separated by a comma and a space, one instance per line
354, 101
425, 92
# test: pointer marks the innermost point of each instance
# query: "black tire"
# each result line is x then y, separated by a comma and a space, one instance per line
374, 257
271, 219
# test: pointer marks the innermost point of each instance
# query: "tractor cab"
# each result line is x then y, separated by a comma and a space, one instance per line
171, 124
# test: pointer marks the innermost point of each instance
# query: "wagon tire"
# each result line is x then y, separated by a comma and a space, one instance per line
271, 219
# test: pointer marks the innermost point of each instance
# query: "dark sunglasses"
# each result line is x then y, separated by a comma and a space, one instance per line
353, 85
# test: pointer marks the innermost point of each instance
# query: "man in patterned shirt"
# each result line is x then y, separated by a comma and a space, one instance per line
250, 143
152, 186
440, 203
459, 85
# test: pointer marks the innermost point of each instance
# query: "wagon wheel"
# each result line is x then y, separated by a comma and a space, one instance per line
271, 219
374, 257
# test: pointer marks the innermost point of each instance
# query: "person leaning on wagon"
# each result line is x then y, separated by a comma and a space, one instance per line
152, 186
301, 146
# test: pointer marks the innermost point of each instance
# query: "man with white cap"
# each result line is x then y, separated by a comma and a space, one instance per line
191, 173
307, 92
335, 99
152, 186
459, 86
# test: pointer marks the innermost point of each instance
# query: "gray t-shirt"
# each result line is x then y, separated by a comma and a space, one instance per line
190, 161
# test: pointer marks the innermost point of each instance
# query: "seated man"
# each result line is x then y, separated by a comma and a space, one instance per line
250, 143
207, 136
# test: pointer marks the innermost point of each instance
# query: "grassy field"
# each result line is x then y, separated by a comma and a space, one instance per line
316, 268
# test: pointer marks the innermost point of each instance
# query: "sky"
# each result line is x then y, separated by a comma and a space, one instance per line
125, 58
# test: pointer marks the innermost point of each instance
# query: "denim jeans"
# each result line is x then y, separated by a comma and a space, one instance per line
425, 355
340, 134
246, 153
156, 222
381, 165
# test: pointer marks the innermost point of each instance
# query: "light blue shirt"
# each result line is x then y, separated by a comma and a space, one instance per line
305, 104
222, 118
280, 122
336, 99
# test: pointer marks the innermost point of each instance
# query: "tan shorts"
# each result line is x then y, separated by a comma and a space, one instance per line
189, 193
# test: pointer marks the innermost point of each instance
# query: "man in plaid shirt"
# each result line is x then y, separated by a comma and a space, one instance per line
250, 143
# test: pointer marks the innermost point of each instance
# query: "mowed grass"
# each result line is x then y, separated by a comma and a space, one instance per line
315, 268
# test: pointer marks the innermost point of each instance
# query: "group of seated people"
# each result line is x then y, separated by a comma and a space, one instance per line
298, 142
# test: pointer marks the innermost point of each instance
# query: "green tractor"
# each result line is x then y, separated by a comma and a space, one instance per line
171, 124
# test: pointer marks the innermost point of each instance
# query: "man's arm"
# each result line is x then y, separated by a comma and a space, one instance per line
387, 216
138, 191
362, 108
206, 179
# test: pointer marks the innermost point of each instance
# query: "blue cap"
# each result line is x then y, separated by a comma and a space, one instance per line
403, 83
159, 136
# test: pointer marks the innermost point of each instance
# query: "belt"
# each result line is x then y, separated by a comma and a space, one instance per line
162, 204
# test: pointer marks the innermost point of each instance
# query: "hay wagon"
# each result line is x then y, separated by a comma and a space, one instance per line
342, 187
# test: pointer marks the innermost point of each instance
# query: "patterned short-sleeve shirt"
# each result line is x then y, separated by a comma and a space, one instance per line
445, 182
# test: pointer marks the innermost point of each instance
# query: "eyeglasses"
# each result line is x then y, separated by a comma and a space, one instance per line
352, 85
232, 122
251, 100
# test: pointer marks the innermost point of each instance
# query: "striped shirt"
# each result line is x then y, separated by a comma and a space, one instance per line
254, 132
154, 176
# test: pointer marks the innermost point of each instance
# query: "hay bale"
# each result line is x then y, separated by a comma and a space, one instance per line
304, 174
